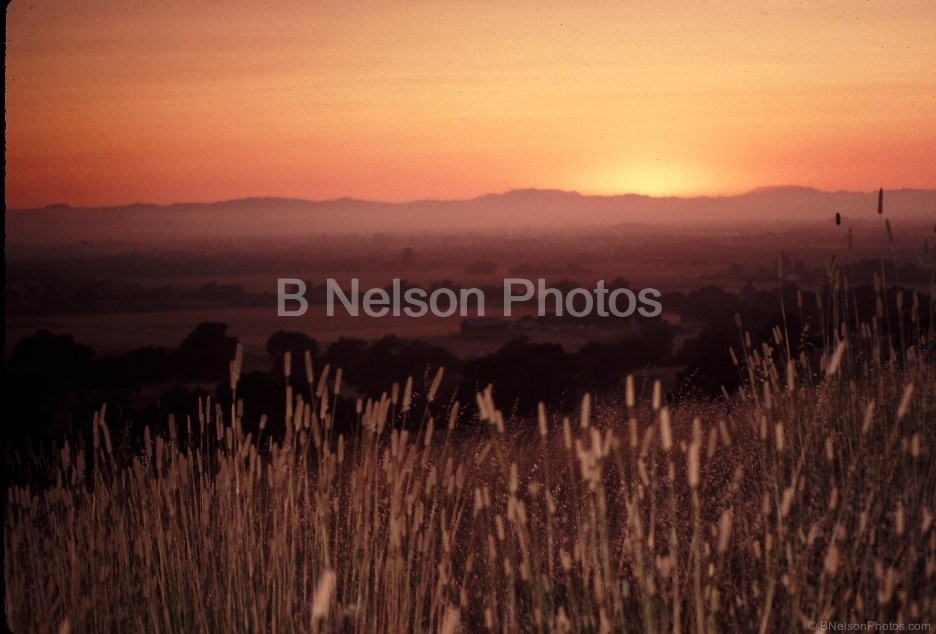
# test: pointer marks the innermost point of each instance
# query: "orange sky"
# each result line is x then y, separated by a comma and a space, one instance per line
112, 102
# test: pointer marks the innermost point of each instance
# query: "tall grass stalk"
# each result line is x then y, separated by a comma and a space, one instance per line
808, 496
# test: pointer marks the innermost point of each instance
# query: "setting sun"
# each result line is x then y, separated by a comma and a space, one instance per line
658, 178
166, 102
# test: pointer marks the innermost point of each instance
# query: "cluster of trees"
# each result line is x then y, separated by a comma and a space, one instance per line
53, 383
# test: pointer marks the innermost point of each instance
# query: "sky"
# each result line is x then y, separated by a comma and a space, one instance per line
116, 102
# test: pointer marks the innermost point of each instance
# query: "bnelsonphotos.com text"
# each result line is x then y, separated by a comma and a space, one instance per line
402, 299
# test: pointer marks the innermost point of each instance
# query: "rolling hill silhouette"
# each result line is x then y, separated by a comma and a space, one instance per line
517, 210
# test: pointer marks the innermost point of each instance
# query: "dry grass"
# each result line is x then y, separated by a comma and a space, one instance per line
809, 496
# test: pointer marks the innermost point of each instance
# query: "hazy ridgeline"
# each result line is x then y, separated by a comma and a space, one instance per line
808, 496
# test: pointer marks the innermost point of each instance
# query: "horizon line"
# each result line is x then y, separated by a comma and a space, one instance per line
516, 190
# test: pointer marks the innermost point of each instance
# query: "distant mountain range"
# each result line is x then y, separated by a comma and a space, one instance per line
517, 210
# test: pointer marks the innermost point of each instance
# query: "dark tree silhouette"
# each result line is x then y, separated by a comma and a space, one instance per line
45, 380
376, 366
205, 353
296, 343
603, 365
523, 374
708, 361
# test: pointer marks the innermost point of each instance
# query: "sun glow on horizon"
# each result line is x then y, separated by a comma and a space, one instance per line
658, 179
112, 104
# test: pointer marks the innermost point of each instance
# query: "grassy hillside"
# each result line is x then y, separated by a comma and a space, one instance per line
809, 496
